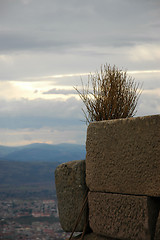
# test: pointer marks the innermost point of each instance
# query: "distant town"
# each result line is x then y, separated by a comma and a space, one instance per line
28, 203
30, 219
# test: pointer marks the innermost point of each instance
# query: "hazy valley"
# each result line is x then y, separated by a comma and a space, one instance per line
27, 190
28, 171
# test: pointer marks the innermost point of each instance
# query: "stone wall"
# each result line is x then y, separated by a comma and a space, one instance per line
70, 188
122, 174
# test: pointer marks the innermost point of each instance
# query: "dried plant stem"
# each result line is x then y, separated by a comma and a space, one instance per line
110, 94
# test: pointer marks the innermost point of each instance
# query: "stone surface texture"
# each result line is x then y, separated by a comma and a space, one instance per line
93, 236
70, 188
122, 216
157, 232
123, 156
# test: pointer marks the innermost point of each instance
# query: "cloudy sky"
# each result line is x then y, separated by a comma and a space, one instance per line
45, 46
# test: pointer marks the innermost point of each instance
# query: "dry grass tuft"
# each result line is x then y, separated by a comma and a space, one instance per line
110, 94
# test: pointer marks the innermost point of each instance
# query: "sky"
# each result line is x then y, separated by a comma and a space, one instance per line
47, 47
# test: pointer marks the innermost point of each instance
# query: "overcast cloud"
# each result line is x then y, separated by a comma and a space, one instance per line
45, 46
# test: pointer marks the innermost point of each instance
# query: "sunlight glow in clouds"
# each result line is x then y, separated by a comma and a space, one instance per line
36, 88
82, 74
145, 53
144, 71
155, 92
43, 135
57, 76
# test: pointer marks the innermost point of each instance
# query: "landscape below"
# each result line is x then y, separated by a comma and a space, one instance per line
26, 184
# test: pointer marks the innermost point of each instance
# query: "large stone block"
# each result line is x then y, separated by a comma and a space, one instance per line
157, 232
93, 236
70, 188
123, 156
122, 216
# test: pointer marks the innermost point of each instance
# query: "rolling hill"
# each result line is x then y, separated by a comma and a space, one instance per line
28, 171
43, 152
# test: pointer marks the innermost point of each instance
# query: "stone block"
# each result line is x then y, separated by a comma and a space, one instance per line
93, 236
123, 156
157, 232
122, 216
70, 189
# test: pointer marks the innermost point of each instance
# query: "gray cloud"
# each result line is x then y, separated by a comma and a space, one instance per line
54, 37
64, 25
60, 91
149, 104
40, 113
40, 38
19, 41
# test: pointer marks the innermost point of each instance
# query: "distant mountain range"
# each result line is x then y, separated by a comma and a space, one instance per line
43, 153
28, 171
